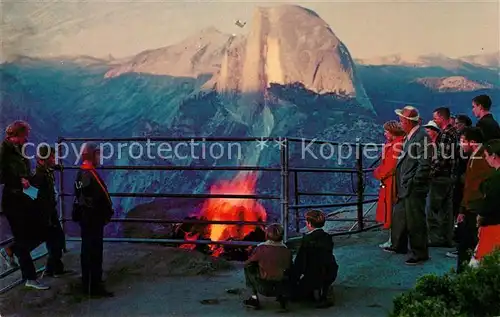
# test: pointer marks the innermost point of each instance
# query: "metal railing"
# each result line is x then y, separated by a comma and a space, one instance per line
283, 197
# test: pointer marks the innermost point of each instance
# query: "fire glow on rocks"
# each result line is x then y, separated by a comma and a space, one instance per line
228, 209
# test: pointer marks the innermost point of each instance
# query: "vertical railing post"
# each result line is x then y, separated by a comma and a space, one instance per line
361, 186
297, 200
285, 192
61, 189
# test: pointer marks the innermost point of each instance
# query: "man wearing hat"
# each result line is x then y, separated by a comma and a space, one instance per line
92, 209
412, 176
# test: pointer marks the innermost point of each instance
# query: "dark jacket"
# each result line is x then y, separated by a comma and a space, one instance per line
46, 201
92, 205
315, 259
478, 170
489, 127
13, 166
413, 167
489, 208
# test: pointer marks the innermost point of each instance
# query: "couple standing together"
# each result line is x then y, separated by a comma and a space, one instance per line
402, 204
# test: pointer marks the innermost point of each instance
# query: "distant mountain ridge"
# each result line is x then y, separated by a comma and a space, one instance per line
489, 60
452, 83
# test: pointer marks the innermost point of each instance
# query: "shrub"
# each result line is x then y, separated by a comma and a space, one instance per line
474, 292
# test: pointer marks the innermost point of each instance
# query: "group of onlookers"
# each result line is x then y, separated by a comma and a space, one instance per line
440, 184
29, 211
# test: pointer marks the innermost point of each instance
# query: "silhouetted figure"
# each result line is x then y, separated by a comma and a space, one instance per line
15, 172
92, 209
46, 204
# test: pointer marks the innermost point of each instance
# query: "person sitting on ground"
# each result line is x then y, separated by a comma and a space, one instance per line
385, 173
315, 267
488, 219
47, 205
266, 271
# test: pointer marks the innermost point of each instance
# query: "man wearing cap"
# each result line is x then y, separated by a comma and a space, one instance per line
92, 209
412, 177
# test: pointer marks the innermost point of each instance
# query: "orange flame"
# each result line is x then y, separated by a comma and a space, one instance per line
231, 209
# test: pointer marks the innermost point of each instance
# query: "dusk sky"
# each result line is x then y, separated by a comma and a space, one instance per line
123, 28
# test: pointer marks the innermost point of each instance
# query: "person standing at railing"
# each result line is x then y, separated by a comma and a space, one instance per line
488, 219
440, 218
385, 173
92, 209
15, 172
412, 178
477, 171
46, 204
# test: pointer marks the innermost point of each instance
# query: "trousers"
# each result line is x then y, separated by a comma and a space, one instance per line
409, 225
25, 228
55, 245
467, 240
440, 219
91, 255
265, 287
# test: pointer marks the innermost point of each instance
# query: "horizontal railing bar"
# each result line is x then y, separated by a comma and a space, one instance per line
187, 221
223, 168
316, 141
4, 242
160, 195
337, 234
167, 139
182, 168
331, 205
175, 241
210, 139
334, 194
322, 169
18, 282
12, 270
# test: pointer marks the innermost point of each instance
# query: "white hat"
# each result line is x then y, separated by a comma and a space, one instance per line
432, 125
408, 112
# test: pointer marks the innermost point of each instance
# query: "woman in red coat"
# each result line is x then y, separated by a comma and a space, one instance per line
385, 172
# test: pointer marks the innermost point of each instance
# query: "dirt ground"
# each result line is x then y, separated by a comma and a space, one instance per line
151, 280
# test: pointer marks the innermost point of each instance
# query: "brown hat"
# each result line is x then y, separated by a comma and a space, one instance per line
408, 112
394, 128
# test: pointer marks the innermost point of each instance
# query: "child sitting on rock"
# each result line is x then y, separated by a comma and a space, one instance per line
266, 269
315, 268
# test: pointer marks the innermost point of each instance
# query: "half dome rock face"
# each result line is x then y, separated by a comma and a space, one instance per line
287, 45
198, 55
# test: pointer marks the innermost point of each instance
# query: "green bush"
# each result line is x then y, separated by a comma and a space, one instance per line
474, 292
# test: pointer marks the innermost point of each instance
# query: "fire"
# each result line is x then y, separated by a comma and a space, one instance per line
231, 209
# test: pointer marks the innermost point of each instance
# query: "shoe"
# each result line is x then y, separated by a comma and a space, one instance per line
453, 254
252, 303
393, 250
415, 261
36, 285
387, 244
